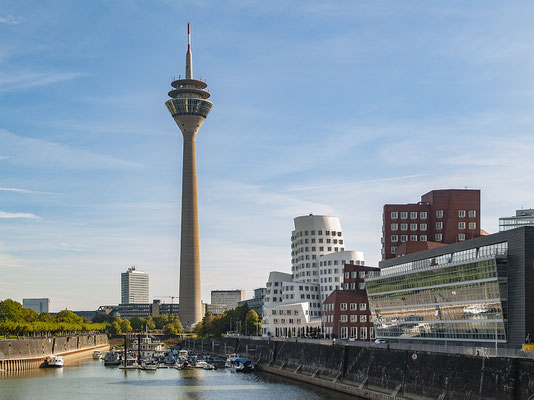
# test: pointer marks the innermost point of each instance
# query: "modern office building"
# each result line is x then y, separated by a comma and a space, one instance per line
37, 305
255, 303
128, 311
476, 291
134, 286
522, 218
189, 108
442, 217
227, 298
331, 269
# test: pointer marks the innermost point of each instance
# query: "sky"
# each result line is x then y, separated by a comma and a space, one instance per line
320, 107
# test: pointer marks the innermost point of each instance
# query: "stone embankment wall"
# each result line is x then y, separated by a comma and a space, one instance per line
28, 353
381, 373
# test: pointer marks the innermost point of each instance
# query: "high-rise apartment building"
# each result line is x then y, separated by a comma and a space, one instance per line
37, 305
441, 217
522, 218
189, 108
134, 286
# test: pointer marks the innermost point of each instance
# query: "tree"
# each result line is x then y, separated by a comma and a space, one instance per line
149, 322
125, 326
138, 324
161, 320
170, 329
114, 328
10, 310
253, 323
69, 317
99, 318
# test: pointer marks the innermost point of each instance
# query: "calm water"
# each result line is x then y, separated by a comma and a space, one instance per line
89, 379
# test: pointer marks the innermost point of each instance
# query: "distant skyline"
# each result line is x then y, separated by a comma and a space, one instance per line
331, 108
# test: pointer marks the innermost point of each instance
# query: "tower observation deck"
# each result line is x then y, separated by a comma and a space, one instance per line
189, 108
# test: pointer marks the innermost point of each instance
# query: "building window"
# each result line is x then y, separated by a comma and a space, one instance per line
394, 238
343, 318
393, 249
413, 215
472, 214
404, 215
353, 306
472, 225
394, 215
394, 227
438, 237
344, 332
363, 318
363, 306
413, 238
439, 214
363, 333
274, 312
423, 238
354, 318
461, 236
354, 332
343, 306
404, 238
413, 227
439, 225
404, 227
461, 225
423, 215
361, 285
461, 213
422, 227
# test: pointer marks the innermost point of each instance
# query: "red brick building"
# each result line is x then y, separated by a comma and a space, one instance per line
442, 216
346, 312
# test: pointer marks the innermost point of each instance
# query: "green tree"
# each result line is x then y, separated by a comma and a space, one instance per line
253, 323
10, 310
125, 326
138, 324
114, 328
170, 329
161, 320
149, 322
69, 317
100, 318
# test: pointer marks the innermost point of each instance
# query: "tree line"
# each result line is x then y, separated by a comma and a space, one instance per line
169, 324
239, 320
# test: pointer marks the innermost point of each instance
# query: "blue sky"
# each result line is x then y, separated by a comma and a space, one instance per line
325, 107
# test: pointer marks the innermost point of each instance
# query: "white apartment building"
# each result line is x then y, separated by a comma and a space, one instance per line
317, 257
134, 287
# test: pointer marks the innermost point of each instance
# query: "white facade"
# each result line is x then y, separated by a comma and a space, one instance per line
331, 270
134, 287
317, 258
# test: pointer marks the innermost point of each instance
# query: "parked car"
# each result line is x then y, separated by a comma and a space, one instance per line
352, 339
380, 341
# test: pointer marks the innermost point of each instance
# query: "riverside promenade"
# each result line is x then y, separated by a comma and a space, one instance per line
29, 353
382, 372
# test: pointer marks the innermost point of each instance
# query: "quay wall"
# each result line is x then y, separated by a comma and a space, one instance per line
382, 373
28, 353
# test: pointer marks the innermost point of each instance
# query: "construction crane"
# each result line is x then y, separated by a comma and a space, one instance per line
167, 297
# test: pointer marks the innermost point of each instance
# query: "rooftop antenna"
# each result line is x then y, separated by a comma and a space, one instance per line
188, 57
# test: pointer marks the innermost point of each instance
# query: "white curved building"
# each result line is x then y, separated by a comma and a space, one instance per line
313, 237
331, 269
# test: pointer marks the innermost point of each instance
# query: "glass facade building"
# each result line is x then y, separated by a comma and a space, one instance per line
522, 218
475, 291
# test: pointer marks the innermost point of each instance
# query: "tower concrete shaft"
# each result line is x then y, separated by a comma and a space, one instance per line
189, 108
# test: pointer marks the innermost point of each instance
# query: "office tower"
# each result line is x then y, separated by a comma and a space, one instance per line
522, 218
37, 305
227, 298
134, 286
189, 108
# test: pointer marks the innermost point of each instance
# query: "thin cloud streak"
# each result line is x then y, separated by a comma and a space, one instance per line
10, 20
17, 190
30, 80
8, 215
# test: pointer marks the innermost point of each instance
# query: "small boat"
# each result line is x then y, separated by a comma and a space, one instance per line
149, 366
97, 354
53, 362
200, 364
111, 360
185, 365
230, 359
242, 365
209, 367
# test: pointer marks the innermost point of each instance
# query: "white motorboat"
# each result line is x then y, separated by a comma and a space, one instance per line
53, 362
149, 366
97, 354
201, 364
209, 367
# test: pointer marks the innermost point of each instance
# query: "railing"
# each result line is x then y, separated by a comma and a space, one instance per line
432, 348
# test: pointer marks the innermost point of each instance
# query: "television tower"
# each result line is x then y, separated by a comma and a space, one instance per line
189, 108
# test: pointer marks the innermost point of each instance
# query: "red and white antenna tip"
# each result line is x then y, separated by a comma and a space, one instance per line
188, 29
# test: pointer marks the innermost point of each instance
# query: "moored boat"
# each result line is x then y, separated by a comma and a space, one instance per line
97, 354
53, 362
242, 365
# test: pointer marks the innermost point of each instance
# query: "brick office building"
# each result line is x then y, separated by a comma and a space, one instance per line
441, 217
346, 312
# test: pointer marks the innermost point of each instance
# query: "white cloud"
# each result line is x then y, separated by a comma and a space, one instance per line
17, 190
9, 215
32, 79
10, 20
